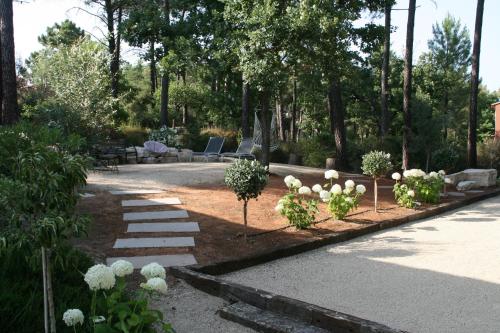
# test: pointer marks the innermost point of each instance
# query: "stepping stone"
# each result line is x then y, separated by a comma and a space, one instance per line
456, 194
87, 195
126, 192
164, 227
167, 260
132, 243
165, 214
151, 202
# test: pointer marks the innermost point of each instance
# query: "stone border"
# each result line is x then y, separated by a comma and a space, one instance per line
308, 313
228, 266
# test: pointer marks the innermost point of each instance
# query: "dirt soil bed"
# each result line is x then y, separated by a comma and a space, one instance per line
219, 215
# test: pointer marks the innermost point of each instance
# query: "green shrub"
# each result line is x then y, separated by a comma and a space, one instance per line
246, 179
376, 164
427, 187
315, 151
299, 211
489, 154
21, 289
448, 158
165, 135
342, 201
134, 135
405, 197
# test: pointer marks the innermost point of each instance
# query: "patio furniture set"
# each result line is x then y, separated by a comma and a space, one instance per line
108, 156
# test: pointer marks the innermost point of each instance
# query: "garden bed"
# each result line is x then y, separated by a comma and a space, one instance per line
219, 215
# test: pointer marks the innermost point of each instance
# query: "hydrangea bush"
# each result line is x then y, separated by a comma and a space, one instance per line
247, 179
418, 185
165, 135
427, 187
376, 164
112, 309
340, 201
295, 205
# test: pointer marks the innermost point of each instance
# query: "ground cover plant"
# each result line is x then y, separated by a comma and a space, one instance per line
246, 179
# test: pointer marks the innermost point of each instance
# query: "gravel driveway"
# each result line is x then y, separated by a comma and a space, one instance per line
438, 275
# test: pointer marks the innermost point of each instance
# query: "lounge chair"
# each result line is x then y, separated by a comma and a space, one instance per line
244, 150
213, 149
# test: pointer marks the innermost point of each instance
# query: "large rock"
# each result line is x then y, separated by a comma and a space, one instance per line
466, 185
455, 178
483, 177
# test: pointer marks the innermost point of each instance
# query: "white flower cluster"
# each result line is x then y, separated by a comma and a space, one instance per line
292, 182
155, 284
396, 176
317, 188
72, 317
153, 270
279, 207
100, 277
417, 173
331, 174
122, 268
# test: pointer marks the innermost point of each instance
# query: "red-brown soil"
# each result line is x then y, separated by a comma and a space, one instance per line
219, 215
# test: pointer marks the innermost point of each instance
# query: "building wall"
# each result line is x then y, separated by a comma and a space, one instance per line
497, 120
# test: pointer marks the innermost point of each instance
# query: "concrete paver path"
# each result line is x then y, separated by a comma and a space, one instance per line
439, 275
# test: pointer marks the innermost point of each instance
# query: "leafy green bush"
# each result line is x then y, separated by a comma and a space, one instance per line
38, 181
448, 158
134, 135
405, 197
165, 135
427, 187
489, 154
342, 201
21, 288
247, 179
376, 164
315, 151
294, 205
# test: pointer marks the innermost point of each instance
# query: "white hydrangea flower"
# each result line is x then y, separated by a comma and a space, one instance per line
325, 195
361, 189
100, 277
98, 319
349, 200
296, 183
396, 176
279, 207
433, 174
336, 189
153, 270
317, 188
426, 177
448, 180
349, 184
155, 284
347, 190
72, 317
331, 174
442, 172
406, 173
122, 268
305, 190
411, 193
288, 180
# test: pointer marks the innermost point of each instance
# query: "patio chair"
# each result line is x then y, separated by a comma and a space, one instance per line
244, 150
213, 149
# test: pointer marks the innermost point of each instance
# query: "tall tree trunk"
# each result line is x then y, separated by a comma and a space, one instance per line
50, 293
245, 109
185, 106
337, 125
384, 77
407, 78
265, 125
165, 80
113, 46
10, 110
293, 122
152, 67
1, 81
445, 113
280, 121
474, 88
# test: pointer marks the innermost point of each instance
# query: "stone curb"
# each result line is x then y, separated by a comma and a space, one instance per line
308, 313
228, 266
